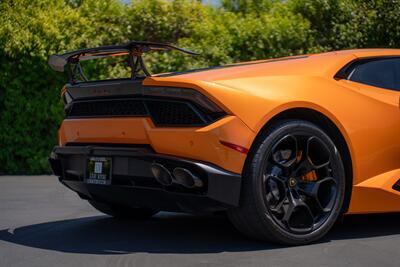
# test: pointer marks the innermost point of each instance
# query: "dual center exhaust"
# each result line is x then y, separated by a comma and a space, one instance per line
179, 176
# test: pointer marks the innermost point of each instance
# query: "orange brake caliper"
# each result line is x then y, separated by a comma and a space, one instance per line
310, 176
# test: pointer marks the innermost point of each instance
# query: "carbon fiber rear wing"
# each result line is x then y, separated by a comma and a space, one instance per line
134, 50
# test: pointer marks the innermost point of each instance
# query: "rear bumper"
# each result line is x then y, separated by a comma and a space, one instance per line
199, 143
133, 183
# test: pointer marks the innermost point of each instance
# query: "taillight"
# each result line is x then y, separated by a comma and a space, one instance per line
184, 93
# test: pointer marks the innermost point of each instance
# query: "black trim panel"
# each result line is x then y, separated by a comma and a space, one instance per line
164, 112
98, 89
133, 179
167, 106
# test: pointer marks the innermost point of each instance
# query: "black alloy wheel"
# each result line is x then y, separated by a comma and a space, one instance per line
299, 188
293, 185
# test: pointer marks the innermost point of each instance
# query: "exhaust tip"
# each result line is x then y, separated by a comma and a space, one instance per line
186, 178
162, 174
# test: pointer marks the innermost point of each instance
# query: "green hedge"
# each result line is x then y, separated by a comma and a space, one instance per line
30, 107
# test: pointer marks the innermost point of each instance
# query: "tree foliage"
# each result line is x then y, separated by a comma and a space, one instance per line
238, 30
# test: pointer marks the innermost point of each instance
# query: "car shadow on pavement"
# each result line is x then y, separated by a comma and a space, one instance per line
171, 233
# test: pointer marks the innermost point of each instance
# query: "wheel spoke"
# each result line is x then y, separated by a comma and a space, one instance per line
278, 207
323, 192
298, 216
275, 190
285, 151
288, 211
318, 154
303, 168
275, 172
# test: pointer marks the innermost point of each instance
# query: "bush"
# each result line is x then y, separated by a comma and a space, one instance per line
30, 107
239, 30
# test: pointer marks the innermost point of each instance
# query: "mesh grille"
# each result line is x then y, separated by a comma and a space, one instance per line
116, 107
173, 113
163, 112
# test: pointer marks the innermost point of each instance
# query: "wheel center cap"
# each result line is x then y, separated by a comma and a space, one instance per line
292, 182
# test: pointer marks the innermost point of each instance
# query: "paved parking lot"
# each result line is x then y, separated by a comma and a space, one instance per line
44, 224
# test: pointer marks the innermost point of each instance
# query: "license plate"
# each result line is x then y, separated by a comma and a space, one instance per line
99, 171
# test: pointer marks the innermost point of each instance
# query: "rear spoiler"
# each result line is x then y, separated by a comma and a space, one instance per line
134, 49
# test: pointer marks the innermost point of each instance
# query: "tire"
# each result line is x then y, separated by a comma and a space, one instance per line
123, 212
293, 185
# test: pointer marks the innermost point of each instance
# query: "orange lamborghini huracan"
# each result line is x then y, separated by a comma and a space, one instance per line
283, 146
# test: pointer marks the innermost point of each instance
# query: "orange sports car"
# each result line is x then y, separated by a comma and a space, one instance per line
283, 146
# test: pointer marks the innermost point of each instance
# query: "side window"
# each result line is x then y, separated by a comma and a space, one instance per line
384, 73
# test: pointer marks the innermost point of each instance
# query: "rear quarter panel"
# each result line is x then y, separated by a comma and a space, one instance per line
369, 122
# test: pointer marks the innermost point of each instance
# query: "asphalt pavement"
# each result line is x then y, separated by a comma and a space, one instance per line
44, 224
